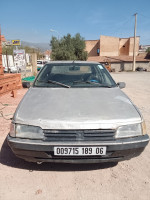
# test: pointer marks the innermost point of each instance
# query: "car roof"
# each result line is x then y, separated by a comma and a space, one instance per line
74, 61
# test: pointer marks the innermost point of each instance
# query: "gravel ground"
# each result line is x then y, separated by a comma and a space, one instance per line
127, 180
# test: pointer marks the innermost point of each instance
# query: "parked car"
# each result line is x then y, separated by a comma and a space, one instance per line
12, 69
40, 64
76, 113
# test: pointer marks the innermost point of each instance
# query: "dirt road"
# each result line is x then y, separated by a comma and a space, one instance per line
20, 180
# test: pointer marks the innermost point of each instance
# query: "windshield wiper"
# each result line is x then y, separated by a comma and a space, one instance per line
93, 83
55, 83
58, 83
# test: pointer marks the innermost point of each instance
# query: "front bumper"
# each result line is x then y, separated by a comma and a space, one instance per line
42, 151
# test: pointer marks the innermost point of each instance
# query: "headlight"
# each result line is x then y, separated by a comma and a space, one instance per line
25, 131
144, 128
130, 130
12, 130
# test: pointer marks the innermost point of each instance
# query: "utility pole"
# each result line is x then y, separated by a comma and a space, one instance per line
134, 48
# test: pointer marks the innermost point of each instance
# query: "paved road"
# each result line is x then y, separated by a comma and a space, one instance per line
20, 180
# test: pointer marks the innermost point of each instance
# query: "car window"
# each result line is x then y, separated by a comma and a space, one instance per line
71, 69
74, 75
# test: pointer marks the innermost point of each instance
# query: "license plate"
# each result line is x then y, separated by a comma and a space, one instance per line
79, 151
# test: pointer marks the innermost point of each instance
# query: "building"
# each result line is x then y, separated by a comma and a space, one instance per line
112, 46
47, 54
143, 48
118, 52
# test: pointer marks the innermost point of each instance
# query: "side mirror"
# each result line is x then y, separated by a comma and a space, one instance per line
26, 84
121, 85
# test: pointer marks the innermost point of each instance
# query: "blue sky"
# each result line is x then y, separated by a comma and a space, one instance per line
31, 20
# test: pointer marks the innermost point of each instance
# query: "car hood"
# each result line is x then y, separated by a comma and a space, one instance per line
76, 108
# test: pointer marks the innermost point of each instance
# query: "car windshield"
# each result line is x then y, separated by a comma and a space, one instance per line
74, 75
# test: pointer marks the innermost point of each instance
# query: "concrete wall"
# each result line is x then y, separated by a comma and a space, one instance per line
10, 60
109, 46
92, 46
124, 46
131, 45
128, 66
116, 66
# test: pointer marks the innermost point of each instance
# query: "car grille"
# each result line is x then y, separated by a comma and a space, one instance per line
79, 135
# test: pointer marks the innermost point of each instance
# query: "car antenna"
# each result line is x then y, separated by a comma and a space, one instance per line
73, 65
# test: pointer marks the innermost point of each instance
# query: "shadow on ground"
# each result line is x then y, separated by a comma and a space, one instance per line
9, 159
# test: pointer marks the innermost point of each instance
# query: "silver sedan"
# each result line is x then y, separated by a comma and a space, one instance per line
75, 113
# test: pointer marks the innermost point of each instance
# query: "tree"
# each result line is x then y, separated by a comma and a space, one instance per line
148, 53
148, 50
68, 48
9, 50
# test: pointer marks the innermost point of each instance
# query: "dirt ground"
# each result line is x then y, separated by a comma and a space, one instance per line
20, 180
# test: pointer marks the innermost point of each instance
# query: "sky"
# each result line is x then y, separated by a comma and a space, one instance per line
32, 20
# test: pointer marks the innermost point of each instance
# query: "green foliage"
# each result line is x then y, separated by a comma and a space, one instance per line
8, 49
68, 48
27, 49
148, 50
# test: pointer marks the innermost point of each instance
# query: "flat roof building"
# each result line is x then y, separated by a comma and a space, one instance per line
118, 52
112, 46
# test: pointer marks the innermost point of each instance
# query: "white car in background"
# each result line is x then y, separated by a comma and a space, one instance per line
40, 64
12, 69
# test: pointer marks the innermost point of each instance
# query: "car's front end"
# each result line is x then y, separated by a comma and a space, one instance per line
84, 122
77, 146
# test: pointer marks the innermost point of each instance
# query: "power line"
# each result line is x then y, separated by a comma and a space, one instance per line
143, 16
125, 30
